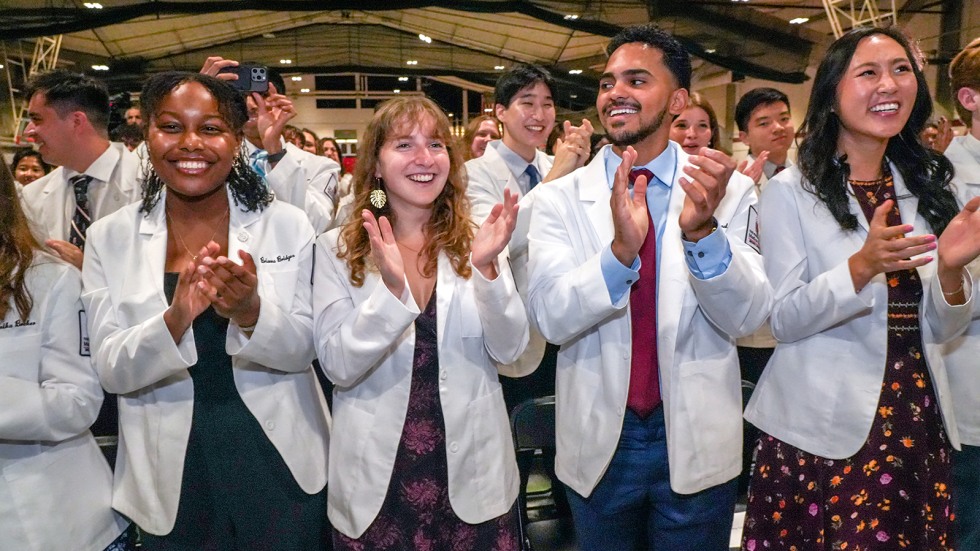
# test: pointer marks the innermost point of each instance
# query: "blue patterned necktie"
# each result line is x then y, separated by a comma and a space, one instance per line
81, 219
258, 161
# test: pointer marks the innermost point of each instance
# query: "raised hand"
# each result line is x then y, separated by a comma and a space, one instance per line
629, 212
886, 249
66, 251
189, 300
385, 253
960, 242
214, 64
494, 235
273, 114
754, 169
708, 175
232, 289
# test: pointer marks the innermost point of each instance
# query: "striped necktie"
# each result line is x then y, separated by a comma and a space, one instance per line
82, 217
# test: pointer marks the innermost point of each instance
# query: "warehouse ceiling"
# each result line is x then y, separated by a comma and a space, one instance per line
469, 39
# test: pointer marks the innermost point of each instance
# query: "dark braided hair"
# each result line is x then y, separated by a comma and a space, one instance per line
825, 172
247, 188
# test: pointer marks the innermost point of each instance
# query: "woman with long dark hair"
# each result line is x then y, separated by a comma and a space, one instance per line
199, 302
854, 404
55, 483
415, 312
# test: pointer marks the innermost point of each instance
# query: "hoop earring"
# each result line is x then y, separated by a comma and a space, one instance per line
378, 196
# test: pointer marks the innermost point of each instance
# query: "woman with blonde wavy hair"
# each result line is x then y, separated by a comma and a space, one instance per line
415, 312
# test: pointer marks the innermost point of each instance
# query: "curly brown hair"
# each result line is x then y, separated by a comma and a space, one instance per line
449, 229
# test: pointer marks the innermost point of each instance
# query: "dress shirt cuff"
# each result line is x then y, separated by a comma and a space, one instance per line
618, 278
710, 256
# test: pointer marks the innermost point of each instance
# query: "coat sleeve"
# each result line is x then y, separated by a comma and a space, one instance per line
283, 336
565, 297
502, 314
803, 305
64, 399
738, 300
353, 339
303, 187
127, 357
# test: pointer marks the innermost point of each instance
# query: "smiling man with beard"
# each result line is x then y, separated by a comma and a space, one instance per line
643, 268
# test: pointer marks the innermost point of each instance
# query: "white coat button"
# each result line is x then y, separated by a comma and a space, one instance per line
626, 355
454, 447
243, 236
621, 412
443, 375
269, 425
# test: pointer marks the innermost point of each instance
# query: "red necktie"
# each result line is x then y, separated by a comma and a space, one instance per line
644, 391
779, 168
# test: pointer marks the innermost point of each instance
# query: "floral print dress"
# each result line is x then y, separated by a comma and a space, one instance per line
416, 513
894, 493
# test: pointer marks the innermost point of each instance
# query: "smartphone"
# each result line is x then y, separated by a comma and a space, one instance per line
251, 78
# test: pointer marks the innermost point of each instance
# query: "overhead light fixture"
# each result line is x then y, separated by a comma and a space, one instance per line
710, 51
450, 115
402, 79
571, 17
426, 39
412, 62
93, 5
498, 67
100, 67
304, 90
799, 20
397, 91
488, 110
268, 35
286, 61
573, 96
575, 72
296, 78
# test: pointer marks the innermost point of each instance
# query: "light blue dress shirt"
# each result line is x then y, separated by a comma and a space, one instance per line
517, 165
707, 258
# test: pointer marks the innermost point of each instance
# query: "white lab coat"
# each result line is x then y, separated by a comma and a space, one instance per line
822, 386
487, 178
962, 352
49, 202
138, 360
697, 321
365, 339
55, 485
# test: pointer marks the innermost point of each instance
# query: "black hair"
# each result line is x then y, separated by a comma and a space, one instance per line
247, 187
276, 80
825, 172
67, 92
25, 152
676, 58
340, 152
519, 78
754, 98
127, 133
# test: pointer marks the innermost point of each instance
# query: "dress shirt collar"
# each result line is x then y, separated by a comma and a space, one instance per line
515, 163
972, 145
101, 169
663, 165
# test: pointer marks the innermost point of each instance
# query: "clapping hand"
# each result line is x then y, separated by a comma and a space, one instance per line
189, 299
629, 212
886, 249
231, 288
273, 113
754, 169
385, 253
494, 235
705, 186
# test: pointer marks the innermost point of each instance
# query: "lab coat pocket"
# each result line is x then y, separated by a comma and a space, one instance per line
707, 402
21, 355
347, 451
492, 448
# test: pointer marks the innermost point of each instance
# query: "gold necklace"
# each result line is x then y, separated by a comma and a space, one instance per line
180, 239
